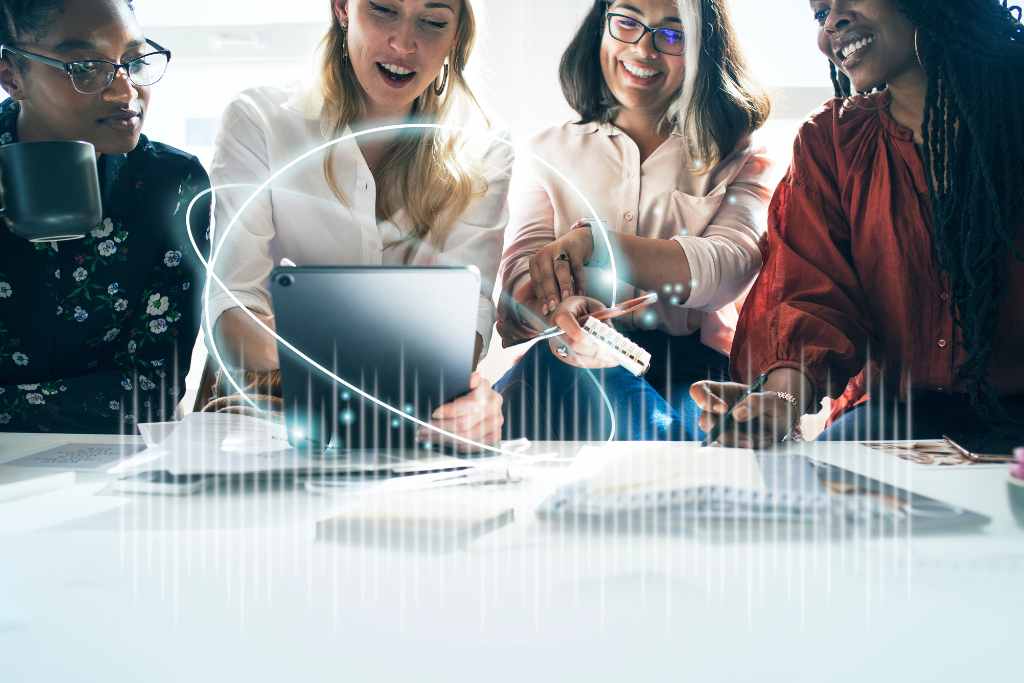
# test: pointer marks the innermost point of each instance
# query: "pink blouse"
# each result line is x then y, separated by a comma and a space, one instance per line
716, 217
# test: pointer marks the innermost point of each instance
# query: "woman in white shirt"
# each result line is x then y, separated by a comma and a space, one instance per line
662, 151
422, 197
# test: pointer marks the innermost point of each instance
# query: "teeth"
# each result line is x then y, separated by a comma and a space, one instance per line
640, 73
850, 50
397, 70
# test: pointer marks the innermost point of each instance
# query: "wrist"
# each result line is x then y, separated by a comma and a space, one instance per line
793, 386
596, 243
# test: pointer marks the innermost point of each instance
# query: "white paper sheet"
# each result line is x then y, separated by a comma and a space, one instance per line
631, 468
224, 444
89, 457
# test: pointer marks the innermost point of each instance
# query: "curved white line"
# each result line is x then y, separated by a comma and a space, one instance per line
211, 274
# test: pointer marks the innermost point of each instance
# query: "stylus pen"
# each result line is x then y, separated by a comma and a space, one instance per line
726, 421
618, 311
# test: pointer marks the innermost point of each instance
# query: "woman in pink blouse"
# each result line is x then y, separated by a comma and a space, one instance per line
662, 152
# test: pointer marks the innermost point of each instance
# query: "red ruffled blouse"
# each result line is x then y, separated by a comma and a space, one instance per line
848, 274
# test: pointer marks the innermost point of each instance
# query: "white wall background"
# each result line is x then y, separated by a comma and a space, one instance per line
224, 46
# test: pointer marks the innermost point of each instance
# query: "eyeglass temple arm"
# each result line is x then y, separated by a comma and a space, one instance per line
33, 56
159, 47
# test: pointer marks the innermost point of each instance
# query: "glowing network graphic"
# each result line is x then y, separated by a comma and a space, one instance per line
262, 187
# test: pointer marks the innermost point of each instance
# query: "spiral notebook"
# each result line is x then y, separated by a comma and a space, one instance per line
629, 355
680, 485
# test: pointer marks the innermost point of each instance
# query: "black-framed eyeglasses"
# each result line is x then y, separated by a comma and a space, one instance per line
626, 29
91, 76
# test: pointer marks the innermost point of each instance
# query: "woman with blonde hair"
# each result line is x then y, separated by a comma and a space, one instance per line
663, 153
414, 197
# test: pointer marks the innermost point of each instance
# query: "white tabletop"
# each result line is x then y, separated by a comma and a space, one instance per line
232, 586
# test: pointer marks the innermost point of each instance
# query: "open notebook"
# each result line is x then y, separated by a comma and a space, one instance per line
679, 485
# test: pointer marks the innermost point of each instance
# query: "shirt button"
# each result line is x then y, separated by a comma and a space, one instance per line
628, 215
942, 343
940, 389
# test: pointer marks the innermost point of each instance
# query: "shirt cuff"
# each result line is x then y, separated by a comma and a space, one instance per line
704, 276
223, 302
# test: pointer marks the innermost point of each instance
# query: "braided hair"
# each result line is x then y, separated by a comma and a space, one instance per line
972, 52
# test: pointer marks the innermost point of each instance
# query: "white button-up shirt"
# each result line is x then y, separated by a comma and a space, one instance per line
717, 218
299, 217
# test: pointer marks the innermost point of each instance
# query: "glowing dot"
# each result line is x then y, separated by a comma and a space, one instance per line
395, 423
348, 417
649, 319
408, 408
674, 301
731, 199
679, 287
660, 419
346, 396
667, 289
693, 282
298, 434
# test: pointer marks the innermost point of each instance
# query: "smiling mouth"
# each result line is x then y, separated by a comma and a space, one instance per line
395, 73
643, 73
849, 52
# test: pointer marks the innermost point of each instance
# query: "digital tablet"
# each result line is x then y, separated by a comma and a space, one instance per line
404, 336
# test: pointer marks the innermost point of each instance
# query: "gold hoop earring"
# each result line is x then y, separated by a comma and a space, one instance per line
444, 83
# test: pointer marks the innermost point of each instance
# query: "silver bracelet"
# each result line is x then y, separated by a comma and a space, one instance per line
795, 434
788, 398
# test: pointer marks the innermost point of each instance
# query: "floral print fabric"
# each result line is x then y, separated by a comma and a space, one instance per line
96, 334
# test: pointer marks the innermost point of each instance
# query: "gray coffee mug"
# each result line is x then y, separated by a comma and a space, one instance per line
50, 191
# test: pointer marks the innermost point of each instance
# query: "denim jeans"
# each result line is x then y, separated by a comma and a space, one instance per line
547, 399
929, 415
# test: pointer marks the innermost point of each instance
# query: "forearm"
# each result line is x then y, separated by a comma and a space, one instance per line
650, 263
243, 344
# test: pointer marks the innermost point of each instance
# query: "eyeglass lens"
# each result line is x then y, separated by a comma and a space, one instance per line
94, 76
666, 40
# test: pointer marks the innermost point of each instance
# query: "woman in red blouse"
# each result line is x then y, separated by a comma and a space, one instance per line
895, 248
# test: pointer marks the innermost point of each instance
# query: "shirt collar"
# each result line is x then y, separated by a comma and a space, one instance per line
609, 129
593, 127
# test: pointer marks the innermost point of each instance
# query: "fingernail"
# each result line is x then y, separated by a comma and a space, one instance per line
741, 413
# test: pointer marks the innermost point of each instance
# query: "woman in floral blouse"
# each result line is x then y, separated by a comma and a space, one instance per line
96, 334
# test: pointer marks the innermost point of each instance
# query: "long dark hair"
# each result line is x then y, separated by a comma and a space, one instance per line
726, 105
973, 54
